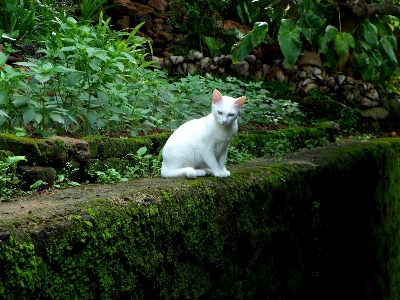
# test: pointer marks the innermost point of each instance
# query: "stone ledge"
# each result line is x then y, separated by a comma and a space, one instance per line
269, 231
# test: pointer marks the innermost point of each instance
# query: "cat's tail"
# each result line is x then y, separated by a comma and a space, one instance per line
188, 172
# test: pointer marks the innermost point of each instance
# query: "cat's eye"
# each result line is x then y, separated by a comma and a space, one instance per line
220, 112
231, 115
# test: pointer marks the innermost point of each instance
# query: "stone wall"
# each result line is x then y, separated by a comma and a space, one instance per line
379, 110
323, 224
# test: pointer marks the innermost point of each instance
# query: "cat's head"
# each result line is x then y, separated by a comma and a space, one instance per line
226, 109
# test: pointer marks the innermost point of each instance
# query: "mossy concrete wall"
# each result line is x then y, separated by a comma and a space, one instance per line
322, 224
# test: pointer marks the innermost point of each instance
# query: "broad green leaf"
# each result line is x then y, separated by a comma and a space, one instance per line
251, 40
42, 78
21, 101
330, 33
69, 48
389, 43
363, 45
387, 69
3, 113
102, 97
56, 118
3, 97
116, 118
342, 42
29, 116
73, 78
368, 73
119, 65
361, 58
26, 64
382, 28
375, 58
37, 184
94, 67
370, 33
211, 43
62, 69
310, 24
289, 40
322, 43
92, 118
3, 58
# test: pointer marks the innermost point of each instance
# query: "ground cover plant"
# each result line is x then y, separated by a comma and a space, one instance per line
88, 79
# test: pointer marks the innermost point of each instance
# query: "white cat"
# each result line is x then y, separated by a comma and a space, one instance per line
199, 147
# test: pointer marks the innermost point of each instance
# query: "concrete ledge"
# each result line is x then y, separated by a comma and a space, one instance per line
319, 225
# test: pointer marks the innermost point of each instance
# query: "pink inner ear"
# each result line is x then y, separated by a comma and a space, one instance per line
240, 101
216, 96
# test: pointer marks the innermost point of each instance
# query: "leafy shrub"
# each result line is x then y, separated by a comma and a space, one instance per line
195, 18
8, 176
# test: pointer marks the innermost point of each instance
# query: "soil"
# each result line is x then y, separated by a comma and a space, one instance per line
71, 201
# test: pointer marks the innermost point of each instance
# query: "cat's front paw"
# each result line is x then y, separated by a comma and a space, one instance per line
222, 174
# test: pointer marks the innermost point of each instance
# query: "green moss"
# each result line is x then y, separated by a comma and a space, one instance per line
269, 231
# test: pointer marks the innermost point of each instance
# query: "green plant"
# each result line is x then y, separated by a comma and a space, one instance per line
8, 177
277, 147
108, 176
63, 178
349, 118
239, 156
316, 95
84, 69
279, 89
89, 9
145, 164
375, 56
195, 18
16, 19
249, 41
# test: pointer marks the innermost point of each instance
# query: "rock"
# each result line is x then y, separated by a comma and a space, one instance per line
251, 59
367, 103
330, 81
79, 149
331, 105
4, 236
341, 78
241, 67
309, 87
205, 62
377, 113
167, 64
279, 75
30, 174
159, 5
125, 22
371, 125
192, 68
302, 74
157, 61
258, 75
137, 12
177, 59
265, 69
372, 94
195, 55
310, 59
348, 87
232, 25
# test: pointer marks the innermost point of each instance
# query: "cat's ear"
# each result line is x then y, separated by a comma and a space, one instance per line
217, 97
240, 101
